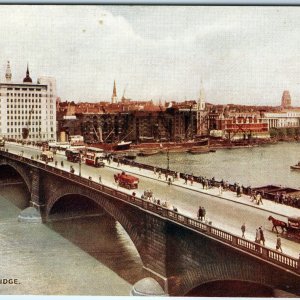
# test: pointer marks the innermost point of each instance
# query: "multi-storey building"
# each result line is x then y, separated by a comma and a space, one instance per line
137, 121
236, 122
28, 110
283, 119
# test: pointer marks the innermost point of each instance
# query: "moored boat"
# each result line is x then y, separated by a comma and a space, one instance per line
296, 167
200, 150
122, 145
130, 154
148, 152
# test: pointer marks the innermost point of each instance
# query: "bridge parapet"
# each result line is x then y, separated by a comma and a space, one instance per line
236, 242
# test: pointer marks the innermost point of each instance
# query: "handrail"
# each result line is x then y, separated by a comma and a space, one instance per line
252, 248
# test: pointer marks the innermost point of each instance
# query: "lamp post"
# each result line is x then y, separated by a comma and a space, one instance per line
79, 165
168, 160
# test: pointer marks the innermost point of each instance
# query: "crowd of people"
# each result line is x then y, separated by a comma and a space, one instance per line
260, 237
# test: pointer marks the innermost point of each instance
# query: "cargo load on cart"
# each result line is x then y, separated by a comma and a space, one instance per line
126, 181
47, 156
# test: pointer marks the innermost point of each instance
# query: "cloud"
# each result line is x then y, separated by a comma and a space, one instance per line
242, 54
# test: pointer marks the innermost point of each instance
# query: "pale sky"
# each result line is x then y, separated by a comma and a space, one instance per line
245, 55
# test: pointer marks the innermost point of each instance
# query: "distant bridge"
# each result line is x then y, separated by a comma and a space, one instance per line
181, 253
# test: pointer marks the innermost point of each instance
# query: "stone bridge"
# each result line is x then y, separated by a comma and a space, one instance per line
179, 252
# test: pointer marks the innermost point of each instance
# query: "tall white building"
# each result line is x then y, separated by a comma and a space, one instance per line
28, 110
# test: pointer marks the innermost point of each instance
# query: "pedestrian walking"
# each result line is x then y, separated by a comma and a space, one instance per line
100, 179
200, 213
118, 162
185, 178
159, 174
203, 212
62, 163
55, 163
192, 179
166, 176
259, 199
169, 181
252, 196
220, 190
238, 190
261, 236
278, 243
257, 236
154, 171
243, 228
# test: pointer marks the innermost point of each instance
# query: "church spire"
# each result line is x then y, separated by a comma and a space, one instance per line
114, 98
201, 99
27, 78
8, 73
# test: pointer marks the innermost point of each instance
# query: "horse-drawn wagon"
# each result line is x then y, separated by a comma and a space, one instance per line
291, 228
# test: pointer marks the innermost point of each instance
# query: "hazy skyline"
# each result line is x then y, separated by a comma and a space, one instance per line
245, 55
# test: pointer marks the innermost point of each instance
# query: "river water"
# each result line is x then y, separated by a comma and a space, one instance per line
84, 256
248, 166
94, 255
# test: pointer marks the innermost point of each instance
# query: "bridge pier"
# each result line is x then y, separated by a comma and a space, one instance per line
147, 287
30, 215
33, 213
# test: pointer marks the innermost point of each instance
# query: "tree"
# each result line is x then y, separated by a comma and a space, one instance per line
273, 133
290, 132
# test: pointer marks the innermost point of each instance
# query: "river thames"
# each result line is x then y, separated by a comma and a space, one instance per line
257, 166
94, 255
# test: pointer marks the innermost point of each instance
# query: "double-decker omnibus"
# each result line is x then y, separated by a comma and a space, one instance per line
94, 157
73, 155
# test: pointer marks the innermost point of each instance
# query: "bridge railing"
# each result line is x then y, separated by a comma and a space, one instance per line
253, 248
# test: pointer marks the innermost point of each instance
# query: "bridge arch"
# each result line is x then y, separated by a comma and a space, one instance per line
21, 170
231, 288
110, 207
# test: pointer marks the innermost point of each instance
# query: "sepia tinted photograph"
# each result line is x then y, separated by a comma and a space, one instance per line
150, 150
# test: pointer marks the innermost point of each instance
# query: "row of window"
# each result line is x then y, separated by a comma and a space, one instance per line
25, 112
22, 101
31, 129
31, 136
22, 106
23, 89
23, 117
25, 123
22, 95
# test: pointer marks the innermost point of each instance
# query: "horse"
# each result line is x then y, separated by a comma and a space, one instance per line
277, 223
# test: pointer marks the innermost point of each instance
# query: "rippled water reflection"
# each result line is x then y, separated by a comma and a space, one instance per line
248, 166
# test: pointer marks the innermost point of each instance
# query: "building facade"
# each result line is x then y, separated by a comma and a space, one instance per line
283, 119
235, 122
137, 121
28, 110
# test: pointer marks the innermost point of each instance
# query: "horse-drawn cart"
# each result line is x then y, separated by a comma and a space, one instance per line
291, 228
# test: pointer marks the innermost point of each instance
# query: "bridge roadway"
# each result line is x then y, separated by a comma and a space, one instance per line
226, 212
